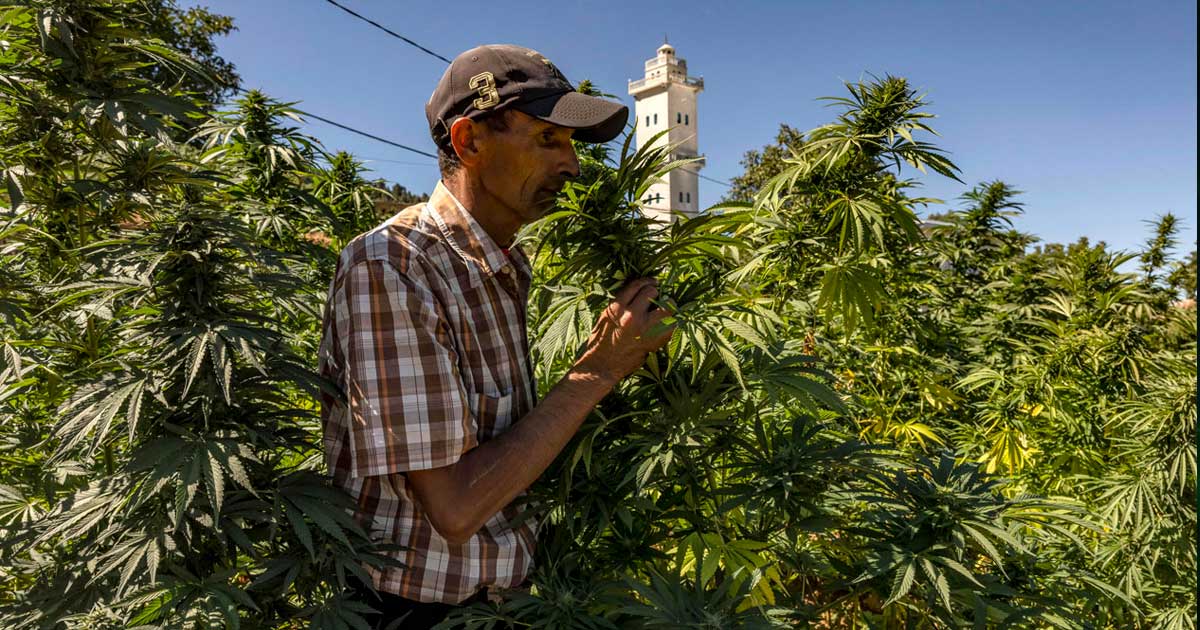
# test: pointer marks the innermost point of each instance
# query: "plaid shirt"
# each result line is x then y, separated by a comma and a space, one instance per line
424, 332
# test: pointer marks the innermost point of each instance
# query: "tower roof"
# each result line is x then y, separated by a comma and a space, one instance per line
663, 70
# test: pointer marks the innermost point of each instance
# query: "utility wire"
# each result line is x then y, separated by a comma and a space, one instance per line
424, 153
357, 131
401, 162
387, 30
403, 146
715, 181
369, 135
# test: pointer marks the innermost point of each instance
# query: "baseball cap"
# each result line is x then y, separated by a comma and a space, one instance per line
495, 77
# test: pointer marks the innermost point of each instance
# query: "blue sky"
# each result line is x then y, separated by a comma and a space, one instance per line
1087, 107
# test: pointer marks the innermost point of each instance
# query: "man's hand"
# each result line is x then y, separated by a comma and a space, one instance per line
619, 343
461, 497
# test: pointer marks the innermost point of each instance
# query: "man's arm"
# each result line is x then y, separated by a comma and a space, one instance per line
461, 497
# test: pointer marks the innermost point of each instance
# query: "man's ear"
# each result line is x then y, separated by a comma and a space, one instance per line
464, 138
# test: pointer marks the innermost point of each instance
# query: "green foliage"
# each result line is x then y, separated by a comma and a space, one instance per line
762, 165
160, 435
864, 418
717, 492
191, 32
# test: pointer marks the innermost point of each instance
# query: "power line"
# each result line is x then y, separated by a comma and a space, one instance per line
403, 146
424, 153
715, 181
401, 162
357, 131
369, 135
387, 30
368, 160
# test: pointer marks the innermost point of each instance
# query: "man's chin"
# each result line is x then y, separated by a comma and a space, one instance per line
535, 211
546, 204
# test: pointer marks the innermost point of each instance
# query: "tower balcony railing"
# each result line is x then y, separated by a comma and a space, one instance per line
674, 61
641, 83
696, 82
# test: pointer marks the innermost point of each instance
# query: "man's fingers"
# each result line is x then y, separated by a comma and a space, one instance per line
659, 315
664, 303
630, 290
656, 328
654, 322
641, 301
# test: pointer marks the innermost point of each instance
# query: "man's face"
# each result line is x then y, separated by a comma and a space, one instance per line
525, 166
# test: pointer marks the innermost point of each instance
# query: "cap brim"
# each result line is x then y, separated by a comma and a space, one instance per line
594, 119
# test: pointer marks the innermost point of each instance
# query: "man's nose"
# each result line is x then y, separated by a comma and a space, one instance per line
569, 169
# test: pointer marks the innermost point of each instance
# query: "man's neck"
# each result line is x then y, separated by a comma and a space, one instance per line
497, 219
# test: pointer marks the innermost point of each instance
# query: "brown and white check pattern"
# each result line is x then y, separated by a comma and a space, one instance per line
424, 332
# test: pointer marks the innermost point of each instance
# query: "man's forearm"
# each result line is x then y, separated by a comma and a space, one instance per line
460, 498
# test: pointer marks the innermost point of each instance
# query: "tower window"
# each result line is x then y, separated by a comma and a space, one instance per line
680, 197
678, 117
685, 119
689, 197
656, 119
647, 120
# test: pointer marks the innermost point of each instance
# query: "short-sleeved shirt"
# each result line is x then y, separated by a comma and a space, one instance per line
424, 332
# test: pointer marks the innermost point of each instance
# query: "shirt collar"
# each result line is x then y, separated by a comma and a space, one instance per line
465, 235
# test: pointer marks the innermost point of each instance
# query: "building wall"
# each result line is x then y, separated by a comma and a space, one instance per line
682, 107
667, 101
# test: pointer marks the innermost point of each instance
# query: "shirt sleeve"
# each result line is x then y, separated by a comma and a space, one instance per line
407, 402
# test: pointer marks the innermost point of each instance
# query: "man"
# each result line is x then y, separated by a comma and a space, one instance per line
424, 332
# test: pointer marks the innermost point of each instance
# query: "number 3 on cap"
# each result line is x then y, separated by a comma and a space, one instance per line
485, 84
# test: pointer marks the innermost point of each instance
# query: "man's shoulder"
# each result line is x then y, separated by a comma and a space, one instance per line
403, 240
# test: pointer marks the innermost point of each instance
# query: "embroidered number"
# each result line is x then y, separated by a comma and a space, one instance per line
485, 84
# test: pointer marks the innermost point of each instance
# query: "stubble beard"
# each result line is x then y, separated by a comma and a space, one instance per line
544, 204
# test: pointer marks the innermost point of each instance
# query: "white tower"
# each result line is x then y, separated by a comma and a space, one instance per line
666, 98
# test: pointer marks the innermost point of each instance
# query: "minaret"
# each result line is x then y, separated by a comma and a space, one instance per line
666, 98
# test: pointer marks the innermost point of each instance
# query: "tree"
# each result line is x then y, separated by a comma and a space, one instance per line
1183, 277
397, 198
724, 484
761, 165
153, 365
862, 420
191, 32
